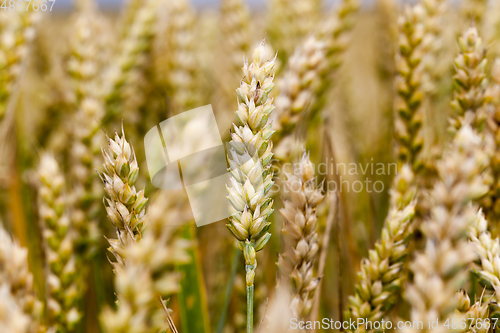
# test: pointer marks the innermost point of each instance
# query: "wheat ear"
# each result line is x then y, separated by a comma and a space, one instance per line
470, 79
133, 48
298, 85
409, 113
145, 263
84, 68
301, 237
125, 207
432, 45
439, 270
59, 236
290, 22
335, 33
250, 161
17, 29
381, 277
19, 308
235, 29
491, 202
487, 266
182, 62
306, 79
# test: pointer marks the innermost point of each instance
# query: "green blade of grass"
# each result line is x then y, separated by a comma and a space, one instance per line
192, 295
229, 289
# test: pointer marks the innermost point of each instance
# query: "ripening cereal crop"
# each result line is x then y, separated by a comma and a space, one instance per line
233, 166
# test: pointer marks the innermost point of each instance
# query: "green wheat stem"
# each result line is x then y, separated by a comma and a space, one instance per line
249, 308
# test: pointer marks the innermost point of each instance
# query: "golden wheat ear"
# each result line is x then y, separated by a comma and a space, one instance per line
249, 156
147, 251
408, 103
383, 273
469, 97
300, 231
60, 255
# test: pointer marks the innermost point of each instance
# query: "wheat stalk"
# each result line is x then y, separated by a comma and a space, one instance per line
382, 275
301, 237
439, 270
19, 308
250, 160
59, 236
470, 79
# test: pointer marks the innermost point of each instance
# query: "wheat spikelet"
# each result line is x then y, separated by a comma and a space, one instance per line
440, 268
301, 237
19, 309
409, 113
470, 79
382, 275
59, 237
487, 266
476, 315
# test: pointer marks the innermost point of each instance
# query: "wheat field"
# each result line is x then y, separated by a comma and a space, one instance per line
298, 166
